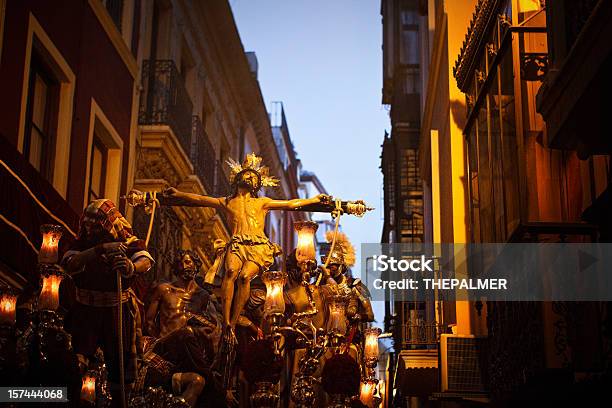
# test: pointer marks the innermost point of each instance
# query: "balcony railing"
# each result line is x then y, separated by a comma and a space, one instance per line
420, 333
223, 186
165, 100
203, 155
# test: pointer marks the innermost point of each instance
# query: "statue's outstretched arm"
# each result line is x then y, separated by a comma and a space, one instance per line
171, 196
295, 204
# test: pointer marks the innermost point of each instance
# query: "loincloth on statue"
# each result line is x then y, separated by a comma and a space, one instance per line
181, 351
254, 248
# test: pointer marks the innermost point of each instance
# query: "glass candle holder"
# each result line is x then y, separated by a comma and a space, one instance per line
49, 293
275, 301
305, 251
51, 235
336, 323
8, 308
88, 389
370, 348
366, 392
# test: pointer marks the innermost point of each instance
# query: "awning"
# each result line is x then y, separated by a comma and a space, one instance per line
417, 372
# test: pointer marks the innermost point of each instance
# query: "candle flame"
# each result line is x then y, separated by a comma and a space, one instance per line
51, 235
88, 390
305, 250
367, 393
8, 304
49, 294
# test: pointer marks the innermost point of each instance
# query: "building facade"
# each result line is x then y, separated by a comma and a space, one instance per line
510, 150
201, 105
413, 365
142, 94
67, 123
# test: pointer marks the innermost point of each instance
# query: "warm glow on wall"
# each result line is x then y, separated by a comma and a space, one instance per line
529, 5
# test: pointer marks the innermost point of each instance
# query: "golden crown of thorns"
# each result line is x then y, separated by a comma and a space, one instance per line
252, 162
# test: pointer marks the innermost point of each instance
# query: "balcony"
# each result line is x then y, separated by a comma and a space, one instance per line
203, 155
417, 365
165, 100
420, 333
223, 187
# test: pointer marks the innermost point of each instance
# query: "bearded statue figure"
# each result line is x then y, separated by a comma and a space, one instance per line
183, 318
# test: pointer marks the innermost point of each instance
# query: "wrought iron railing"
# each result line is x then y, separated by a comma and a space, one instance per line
223, 187
165, 100
203, 155
420, 333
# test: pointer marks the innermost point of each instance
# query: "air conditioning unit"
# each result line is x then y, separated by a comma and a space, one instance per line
462, 363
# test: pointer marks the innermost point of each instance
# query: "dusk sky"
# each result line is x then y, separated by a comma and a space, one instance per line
323, 60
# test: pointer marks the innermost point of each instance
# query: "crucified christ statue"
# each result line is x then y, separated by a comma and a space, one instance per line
249, 251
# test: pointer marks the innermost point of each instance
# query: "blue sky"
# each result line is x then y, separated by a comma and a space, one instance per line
323, 60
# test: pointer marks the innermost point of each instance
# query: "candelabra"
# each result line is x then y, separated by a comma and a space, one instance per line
50, 322
94, 388
8, 303
370, 356
41, 329
314, 341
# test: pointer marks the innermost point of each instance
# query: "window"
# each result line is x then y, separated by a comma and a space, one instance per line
45, 118
409, 52
409, 32
97, 170
39, 142
105, 151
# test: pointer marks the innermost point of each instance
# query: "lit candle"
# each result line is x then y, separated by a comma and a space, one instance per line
274, 281
305, 251
370, 349
336, 322
49, 294
88, 390
8, 307
366, 394
51, 235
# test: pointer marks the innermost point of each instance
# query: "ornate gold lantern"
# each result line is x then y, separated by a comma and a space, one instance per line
336, 323
370, 348
275, 282
305, 251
